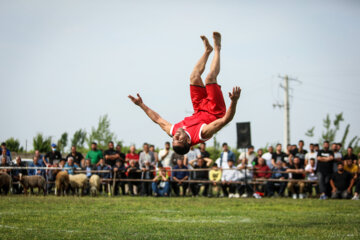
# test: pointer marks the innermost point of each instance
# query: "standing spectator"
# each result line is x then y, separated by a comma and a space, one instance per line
325, 159
160, 185
268, 156
350, 155
337, 156
111, 155
4, 155
121, 154
132, 155
35, 164
278, 156
310, 171
179, 177
225, 156
101, 166
53, 155
201, 163
228, 179
70, 166
147, 174
146, 155
15, 174
41, 158
301, 152
278, 172
261, 171
215, 178
296, 172
311, 154
133, 173
203, 152
259, 152
119, 171
78, 157
245, 172
156, 155
165, 155
193, 154
94, 154
7, 151
316, 147
341, 183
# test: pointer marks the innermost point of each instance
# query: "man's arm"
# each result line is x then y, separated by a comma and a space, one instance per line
209, 130
154, 116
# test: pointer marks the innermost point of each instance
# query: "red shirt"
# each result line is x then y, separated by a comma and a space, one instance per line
193, 126
262, 171
132, 156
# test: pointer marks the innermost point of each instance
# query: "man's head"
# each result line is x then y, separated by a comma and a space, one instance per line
181, 142
3, 152
316, 147
93, 146
326, 145
118, 163
312, 162
111, 145
35, 159
230, 163
261, 161
132, 149
202, 147
311, 147
200, 162
132, 163
278, 164
340, 167
334, 147
70, 161
167, 145
214, 166
348, 162
18, 160
88, 162
278, 147
118, 147
146, 147
349, 150
225, 147
179, 162
260, 152
73, 149
3, 145
270, 149
3, 160
296, 161
152, 148
53, 147
251, 149
301, 144
101, 162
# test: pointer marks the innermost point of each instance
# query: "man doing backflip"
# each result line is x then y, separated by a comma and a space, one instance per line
210, 113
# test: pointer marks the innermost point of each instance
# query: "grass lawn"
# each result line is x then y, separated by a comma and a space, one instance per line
51, 217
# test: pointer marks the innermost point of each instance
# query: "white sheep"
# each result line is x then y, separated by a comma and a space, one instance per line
94, 184
78, 181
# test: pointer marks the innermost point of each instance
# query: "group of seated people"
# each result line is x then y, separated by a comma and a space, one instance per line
297, 172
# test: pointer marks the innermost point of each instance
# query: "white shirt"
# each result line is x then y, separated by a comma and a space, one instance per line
193, 154
223, 165
311, 176
249, 157
242, 171
166, 162
230, 175
311, 155
267, 157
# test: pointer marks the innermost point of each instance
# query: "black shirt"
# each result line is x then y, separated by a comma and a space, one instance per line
201, 175
51, 156
77, 158
205, 154
301, 155
325, 167
110, 152
279, 157
352, 157
342, 181
297, 175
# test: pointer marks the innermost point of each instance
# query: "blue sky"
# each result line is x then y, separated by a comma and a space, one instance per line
65, 63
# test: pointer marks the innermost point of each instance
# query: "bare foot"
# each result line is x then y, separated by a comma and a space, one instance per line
217, 40
208, 47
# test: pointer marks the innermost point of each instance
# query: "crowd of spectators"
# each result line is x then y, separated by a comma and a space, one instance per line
320, 172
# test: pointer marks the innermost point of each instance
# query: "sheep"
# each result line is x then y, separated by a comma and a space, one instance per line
62, 183
78, 181
5, 182
32, 182
94, 184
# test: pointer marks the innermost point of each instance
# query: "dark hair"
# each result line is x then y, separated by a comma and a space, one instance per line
301, 141
94, 143
152, 146
311, 144
251, 146
167, 143
215, 165
182, 150
326, 141
224, 144
145, 143
3, 144
279, 144
111, 142
340, 163
312, 159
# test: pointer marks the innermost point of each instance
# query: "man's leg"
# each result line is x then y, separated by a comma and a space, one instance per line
195, 77
215, 64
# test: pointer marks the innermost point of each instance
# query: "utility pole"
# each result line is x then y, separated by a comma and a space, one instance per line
286, 106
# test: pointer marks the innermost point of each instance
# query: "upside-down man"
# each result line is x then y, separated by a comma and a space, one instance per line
210, 114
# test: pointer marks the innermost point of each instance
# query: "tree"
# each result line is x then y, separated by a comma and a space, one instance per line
13, 145
62, 142
102, 134
79, 138
41, 143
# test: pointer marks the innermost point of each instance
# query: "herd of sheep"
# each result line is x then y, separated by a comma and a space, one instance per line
63, 183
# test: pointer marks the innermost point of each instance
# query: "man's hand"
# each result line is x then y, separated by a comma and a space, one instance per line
137, 100
333, 190
235, 95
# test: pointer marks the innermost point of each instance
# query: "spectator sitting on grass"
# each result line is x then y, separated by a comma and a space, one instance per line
200, 175
215, 178
341, 183
261, 171
35, 171
229, 176
278, 172
179, 177
296, 172
133, 173
310, 171
160, 185
70, 166
94, 154
147, 174
119, 171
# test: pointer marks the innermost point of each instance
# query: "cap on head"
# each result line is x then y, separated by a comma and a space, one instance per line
53, 145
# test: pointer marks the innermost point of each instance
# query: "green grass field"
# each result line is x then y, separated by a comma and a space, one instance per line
51, 217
